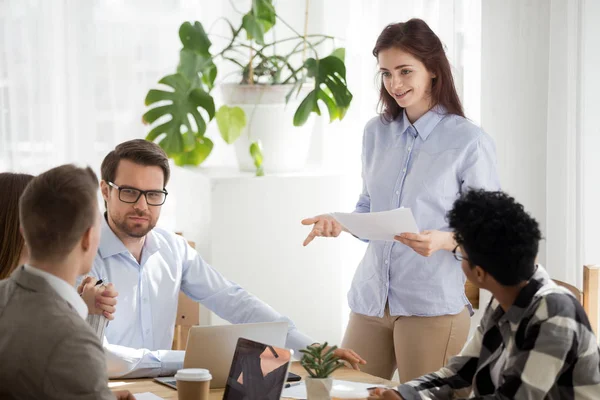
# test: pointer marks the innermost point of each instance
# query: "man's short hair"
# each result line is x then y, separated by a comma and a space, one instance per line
56, 209
139, 151
496, 234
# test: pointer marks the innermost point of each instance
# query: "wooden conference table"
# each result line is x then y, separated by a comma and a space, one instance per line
147, 385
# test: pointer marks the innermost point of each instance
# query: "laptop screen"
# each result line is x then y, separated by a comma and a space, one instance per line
258, 371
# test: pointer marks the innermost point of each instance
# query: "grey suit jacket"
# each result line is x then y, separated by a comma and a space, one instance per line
47, 351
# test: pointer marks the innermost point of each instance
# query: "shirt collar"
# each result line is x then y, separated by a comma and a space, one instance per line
538, 282
110, 244
63, 289
424, 125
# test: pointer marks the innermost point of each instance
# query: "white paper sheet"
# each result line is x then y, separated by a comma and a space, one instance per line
299, 391
383, 225
147, 396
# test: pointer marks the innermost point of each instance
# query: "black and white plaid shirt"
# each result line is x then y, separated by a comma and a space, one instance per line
550, 352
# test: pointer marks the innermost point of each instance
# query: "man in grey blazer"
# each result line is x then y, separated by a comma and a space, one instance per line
48, 351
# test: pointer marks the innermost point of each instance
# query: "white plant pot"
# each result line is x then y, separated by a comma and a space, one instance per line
318, 389
270, 120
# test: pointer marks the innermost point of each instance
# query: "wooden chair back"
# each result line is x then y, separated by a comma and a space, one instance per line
472, 293
188, 315
589, 296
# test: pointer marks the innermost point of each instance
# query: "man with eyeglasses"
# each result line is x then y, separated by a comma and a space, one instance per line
534, 340
150, 265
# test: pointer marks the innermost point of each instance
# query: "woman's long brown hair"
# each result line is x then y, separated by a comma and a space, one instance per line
11, 240
416, 37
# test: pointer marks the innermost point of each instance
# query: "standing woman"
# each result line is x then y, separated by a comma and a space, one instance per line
409, 308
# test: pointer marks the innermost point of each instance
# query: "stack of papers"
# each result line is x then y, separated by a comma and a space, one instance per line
147, 396
299, 391
383, 225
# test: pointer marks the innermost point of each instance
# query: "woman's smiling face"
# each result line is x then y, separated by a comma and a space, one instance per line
407, 80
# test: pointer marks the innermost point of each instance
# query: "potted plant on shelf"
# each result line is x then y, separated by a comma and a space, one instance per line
319, 362
272, 74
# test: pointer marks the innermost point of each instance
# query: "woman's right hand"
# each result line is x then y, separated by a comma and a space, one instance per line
324, 225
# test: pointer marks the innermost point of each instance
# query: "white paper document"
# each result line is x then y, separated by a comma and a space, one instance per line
299, 391
383, 225
147, 396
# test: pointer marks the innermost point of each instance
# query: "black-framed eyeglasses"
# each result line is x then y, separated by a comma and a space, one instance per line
458, 254
132, 195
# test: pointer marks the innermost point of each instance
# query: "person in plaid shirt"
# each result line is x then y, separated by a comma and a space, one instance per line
534, 340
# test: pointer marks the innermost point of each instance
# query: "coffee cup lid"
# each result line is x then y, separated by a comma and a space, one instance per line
193, 374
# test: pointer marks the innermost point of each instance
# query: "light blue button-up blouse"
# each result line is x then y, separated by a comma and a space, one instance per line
424, 166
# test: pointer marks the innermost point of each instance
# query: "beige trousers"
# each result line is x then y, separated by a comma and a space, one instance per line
415, 345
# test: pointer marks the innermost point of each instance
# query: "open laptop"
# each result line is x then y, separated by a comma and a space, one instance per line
258, 371
212, 347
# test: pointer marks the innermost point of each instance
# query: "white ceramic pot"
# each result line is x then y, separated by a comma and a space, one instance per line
270, 120
318, 389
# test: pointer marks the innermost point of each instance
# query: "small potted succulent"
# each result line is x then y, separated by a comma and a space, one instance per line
320, 362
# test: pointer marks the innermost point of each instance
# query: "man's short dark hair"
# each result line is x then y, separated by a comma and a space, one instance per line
56, 209
496, 234
139, 151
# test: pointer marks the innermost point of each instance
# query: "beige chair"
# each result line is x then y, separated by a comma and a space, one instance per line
588, 297
188, 315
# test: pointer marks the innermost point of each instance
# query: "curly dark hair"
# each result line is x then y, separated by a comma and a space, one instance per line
497, 234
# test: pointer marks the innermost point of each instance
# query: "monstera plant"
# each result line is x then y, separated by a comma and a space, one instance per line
181, 112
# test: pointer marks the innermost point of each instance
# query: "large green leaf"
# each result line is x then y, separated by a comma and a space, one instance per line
254, 29
231, 122
197, 68
331, 88
259, 20
308, 105
193, 37
183, 103
339, 53
195, 156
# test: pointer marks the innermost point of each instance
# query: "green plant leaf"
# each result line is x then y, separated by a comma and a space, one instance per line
339, 53
264, 11
259, 20
330, 87
183, 104
197, 68
197, 155
257, 156
254, 30
318, 362
305, 108
193, 37
231, 121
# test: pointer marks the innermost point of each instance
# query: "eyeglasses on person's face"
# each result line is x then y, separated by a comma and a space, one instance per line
131, 195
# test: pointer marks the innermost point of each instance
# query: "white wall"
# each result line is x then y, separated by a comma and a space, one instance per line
249, 230
539, 101
514, 97
590, 128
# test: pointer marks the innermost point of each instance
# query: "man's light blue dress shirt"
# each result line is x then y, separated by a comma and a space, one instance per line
138, 340
423, 166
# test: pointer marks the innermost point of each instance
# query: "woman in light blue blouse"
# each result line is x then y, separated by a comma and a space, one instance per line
409, 309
